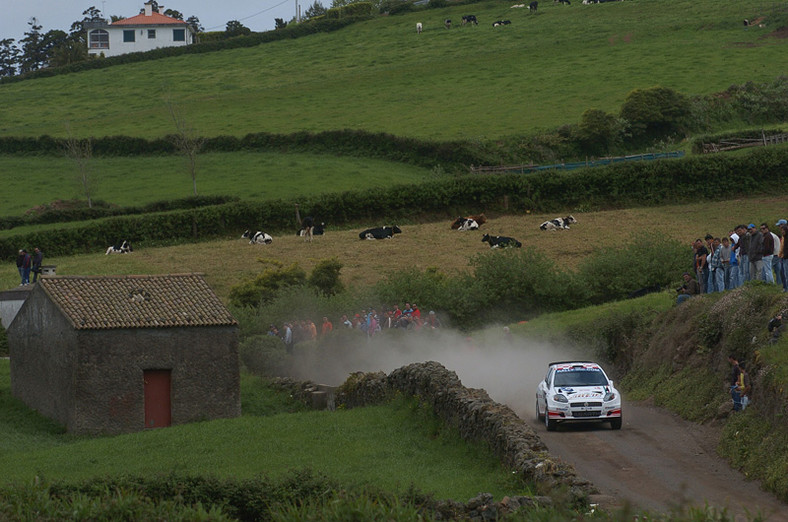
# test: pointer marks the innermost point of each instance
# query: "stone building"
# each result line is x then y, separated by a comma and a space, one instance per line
118, 354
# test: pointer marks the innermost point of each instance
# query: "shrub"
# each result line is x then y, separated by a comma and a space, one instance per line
656, 113
264, 287
263, 355
325, 277
598, 132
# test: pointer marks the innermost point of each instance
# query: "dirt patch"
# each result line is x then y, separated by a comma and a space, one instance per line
780, 32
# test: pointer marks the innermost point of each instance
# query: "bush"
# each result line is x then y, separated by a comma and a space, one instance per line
325, 277
265, 287
263, 355
656, 113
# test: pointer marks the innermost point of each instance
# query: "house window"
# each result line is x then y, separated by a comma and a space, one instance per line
128, 35
99, 39
179, 35
151, 34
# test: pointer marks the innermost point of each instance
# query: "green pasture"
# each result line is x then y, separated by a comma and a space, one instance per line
472, 82
29, 181
391, 447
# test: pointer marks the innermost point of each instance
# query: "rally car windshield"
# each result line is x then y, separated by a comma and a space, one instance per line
580, 377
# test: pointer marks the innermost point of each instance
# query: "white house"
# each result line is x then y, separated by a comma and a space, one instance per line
146, 31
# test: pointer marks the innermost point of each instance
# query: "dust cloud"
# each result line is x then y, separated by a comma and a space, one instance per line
509, 369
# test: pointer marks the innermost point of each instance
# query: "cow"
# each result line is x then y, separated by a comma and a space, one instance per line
259, 238
533, 6
558, 223
447, 23
419, 27
501, 241
463, 224
317, 229
469, 19
501, 22
380, 232
124, 248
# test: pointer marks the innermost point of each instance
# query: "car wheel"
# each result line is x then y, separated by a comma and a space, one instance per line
539, 415
551, 425
615, 423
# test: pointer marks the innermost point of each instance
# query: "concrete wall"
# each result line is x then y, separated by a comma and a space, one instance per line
141, 43
10, 303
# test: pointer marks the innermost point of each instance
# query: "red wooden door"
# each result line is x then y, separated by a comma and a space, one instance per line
157, 398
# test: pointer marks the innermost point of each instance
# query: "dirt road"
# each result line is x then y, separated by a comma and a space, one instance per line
659, 462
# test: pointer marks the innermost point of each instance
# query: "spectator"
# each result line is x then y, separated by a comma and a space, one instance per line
701, 268
326, 328
783, 255
716, 275
38, 258
725, 257
743, 253
20, 261
688, 289
26, 264
708, 280
734, 383
775, 328
273, 331
346, 322
767, 253
776, 261
288, 337
416, 312
756, 253
735, 282
432, 320
744, 385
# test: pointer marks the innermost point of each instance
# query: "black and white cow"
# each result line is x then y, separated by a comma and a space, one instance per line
501, 241
124, 248
380, 232
258, 238
447, 23
463, 223
318, 229
533, 6
558, 223
469, 19
501, 22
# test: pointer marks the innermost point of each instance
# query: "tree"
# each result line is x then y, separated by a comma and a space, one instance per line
656, 113
598, 131
32, 56
236, 28
71, 51
315, 10
172, 13
81, 153
279, 23
185, 141
9, 57
154, 5
194, 22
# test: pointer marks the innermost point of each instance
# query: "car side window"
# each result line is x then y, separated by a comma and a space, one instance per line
547, 377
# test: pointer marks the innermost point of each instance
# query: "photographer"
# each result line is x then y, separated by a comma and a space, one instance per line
688, 289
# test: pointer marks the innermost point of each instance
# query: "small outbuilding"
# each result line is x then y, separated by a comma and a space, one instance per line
116, 354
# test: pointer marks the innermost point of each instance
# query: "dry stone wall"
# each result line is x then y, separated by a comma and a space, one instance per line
475, 415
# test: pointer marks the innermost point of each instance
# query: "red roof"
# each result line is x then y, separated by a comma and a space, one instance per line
154, 19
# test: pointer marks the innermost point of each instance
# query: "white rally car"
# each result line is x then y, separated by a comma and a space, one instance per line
576, 391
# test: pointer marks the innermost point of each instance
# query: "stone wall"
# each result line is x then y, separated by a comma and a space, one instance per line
476, 416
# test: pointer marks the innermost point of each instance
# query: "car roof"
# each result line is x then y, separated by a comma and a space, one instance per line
562, 363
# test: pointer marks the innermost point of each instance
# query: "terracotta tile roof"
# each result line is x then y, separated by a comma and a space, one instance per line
136, 301
153, 19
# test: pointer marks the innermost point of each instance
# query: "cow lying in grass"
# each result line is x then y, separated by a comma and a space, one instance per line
462, 223
480, 220
259, 238
501, 241
124, 248
558, 223
380, 233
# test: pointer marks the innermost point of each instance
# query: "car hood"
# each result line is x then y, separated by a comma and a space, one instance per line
583, 392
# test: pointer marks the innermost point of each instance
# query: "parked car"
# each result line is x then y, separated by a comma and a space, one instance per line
577, 391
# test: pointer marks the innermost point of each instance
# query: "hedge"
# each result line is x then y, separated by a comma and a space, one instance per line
619, 185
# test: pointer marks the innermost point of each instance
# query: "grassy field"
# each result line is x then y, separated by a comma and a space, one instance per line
476, 82
227, 262
29, 181
391, 447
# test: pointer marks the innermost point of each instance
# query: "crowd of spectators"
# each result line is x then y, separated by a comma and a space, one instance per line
368, 322
746, 253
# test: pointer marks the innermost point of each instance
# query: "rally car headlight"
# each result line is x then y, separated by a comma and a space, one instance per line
609, 396
559, 397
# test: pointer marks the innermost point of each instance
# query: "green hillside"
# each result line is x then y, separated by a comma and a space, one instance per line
472, 82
